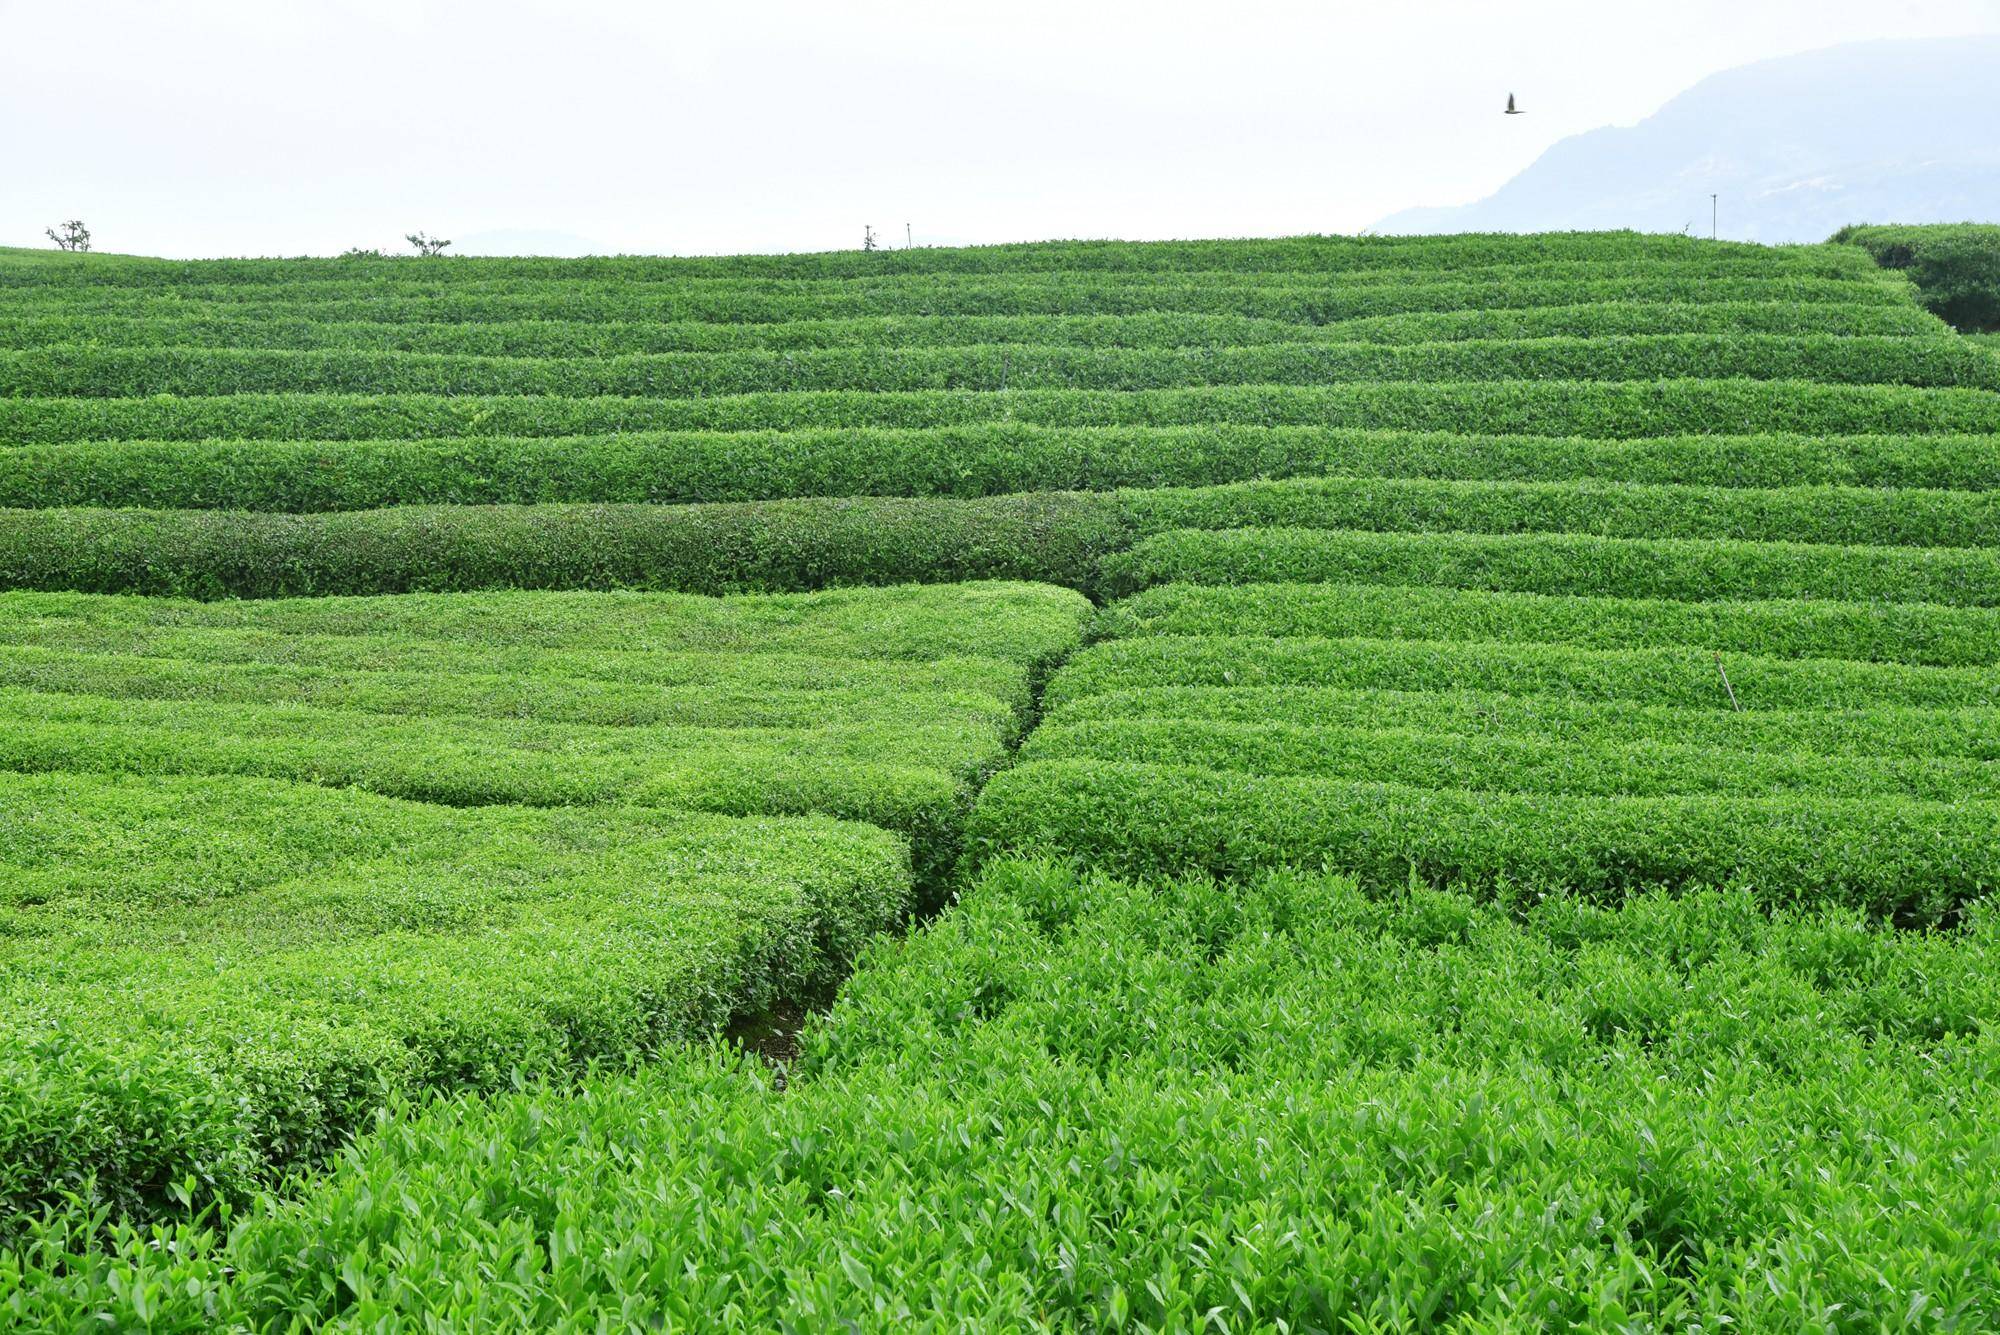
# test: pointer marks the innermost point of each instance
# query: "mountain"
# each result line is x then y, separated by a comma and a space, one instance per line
1895, 131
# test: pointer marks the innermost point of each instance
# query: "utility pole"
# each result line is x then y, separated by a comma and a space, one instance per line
907, 243
1713, 213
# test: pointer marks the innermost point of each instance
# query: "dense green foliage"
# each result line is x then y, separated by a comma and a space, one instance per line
1299, 298
968, 461
1887, 730
581, 338
1077, 539
1920, 861
1955, 266
1304, 254
1914, 633
1680, 675
777, 545
1608, 409
1077, 1103
1689, 569
207, 977
1873, 516
1547, 700
1847, 359
208, 973
902, 705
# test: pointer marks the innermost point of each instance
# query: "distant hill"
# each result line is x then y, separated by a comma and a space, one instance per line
1895, 131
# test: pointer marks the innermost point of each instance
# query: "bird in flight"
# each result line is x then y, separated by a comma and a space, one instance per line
1512, 110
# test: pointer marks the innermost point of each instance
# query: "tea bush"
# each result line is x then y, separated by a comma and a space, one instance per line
1078, 1102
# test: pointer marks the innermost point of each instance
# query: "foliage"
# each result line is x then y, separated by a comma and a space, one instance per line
767, 546
1955, 266
1082, 1103
208, 972
1871, 516
1687, 569
557, 337
72, 235
1919, 861
1610, 410
211, 978
1573, 658
1827, 628
1674, 675
1889, 475
86, 372
544, 705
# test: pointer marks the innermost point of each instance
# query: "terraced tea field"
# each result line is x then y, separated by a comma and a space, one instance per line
1435, 783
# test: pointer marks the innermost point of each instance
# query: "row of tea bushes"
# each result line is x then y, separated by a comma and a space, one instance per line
1684, 675
498, 700
1314, 254
94, 372
1293, 298
1683, 569
1917, 731
1299, 1103
995, 458
771, 546
227, 975
609, 338
1505, 760
1916, 633
1918, 862
1612, 410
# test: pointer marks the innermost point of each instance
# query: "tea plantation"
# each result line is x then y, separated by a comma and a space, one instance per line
1308, 785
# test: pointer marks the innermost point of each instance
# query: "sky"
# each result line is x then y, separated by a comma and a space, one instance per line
284, 127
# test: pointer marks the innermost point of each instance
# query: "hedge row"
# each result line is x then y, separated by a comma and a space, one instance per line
574, 338
1955, 267
91, 372
1919, 862
1969, 731
1779, 628
687, 691
1664, 1113
1326, 254
412, 280
990, 458
493, 704
391, 675
1055, 538
1816, 514
1668, 1112
1305, 302
230, 974
1607, 410
1599, 319
943, 630
915, 778
1658, 766
1692, 569
1674, 676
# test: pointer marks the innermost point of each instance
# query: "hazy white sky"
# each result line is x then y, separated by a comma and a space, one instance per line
216, 127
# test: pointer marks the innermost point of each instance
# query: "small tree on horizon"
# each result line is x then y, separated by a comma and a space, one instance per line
72, 235
425, 244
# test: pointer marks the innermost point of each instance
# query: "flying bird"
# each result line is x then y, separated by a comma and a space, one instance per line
1512, 110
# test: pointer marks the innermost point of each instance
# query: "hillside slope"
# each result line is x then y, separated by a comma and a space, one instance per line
1512, 847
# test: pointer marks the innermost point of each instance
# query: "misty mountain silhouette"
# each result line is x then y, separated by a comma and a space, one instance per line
1894, 131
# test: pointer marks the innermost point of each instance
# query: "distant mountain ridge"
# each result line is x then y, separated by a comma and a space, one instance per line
1798, 146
